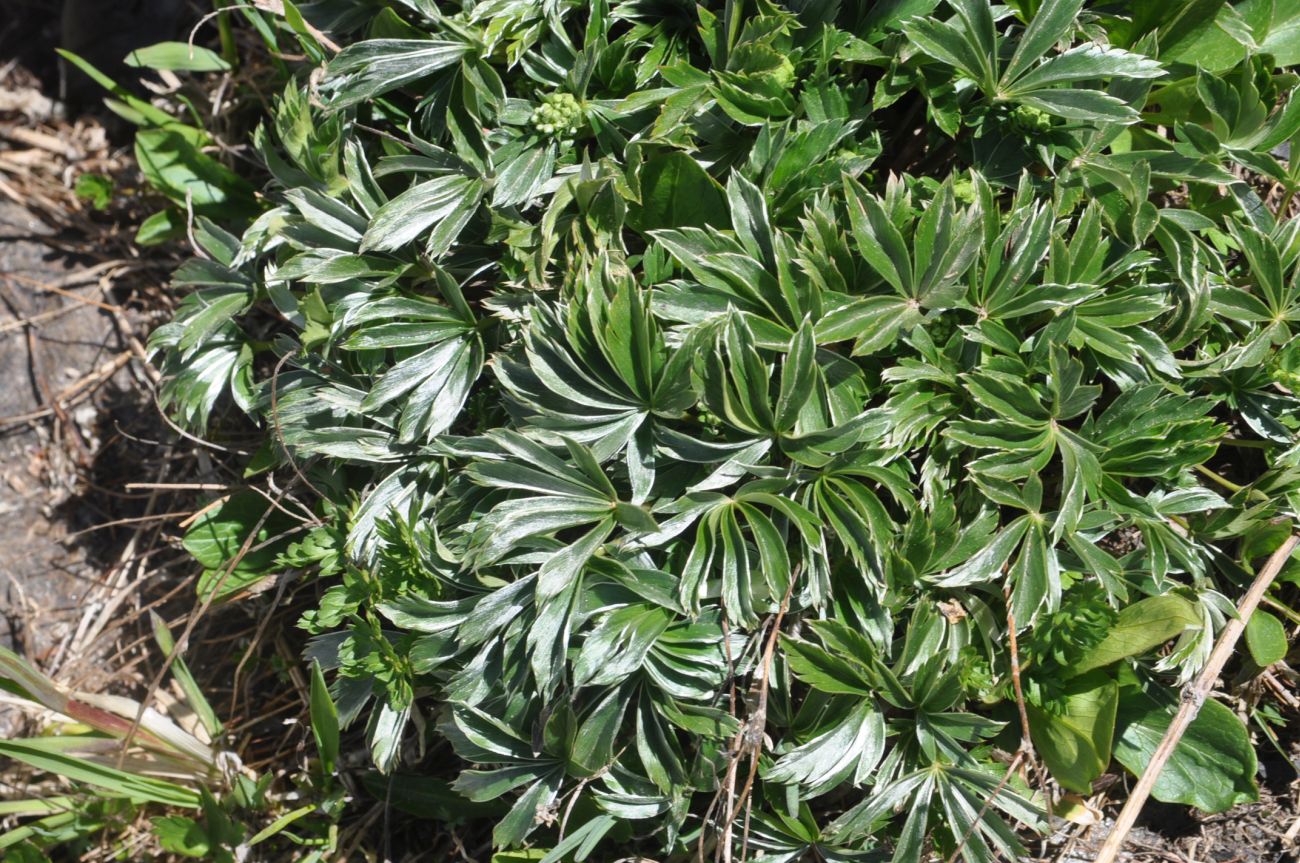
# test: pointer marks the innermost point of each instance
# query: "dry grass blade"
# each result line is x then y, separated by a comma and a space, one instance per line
170, 748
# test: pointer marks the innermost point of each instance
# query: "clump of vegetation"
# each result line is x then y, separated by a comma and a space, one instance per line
745, 427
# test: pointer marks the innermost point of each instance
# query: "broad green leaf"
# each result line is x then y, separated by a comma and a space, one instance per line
1073, 731
1266, 638
436, 210
1283, 39
594, 747
1091, 106
173, 163
824, 671
219, 536
677, 193
178, 56
518, 180
1085, 63
181, 835
366, 69
878, 239
872, 322
617, 647
1142, 626
1053, 20
798, 376
1208, 33
1213, 766
849, 751
947, 44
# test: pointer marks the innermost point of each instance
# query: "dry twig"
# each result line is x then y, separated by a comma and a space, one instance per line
1193, 697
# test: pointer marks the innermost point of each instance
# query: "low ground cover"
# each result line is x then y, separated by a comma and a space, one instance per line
816, 430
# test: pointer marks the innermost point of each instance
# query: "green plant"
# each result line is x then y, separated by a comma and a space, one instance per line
700, 397
113, 759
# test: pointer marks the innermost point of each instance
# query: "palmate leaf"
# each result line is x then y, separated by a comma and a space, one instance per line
432, 384
856, 519
970, 44
602, 374
618, 646
746, 394
366, 69
197, 378
811, 418
521, 174
436, 209
564, 499
752, 273
481, 739
850, 748
924, 276
737, 537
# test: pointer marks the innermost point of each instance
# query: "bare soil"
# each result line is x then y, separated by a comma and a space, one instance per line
96, 486
49, 345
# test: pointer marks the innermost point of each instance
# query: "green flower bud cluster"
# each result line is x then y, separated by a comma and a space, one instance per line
975, 674
1287, 378
558, 115
1284, 369
940, 329
1030, 120
964, 190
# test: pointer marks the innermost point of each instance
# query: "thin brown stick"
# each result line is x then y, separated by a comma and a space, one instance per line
118, 522
51, 288
284, 579
178, 486
279, 432
183, 641
1289, 837
1026, 736
1026, 749
757, 723
1026, 740
1193, 698
75, 392
276, 7
751, 730
997, 789
36, 319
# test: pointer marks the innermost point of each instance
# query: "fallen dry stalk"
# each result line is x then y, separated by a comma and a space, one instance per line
1193, 698
74, 392
276, 7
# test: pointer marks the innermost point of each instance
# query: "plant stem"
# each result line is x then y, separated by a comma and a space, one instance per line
1231, 486
1242, 443
227, 33
1192, 700
1218, 478
1285, 610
